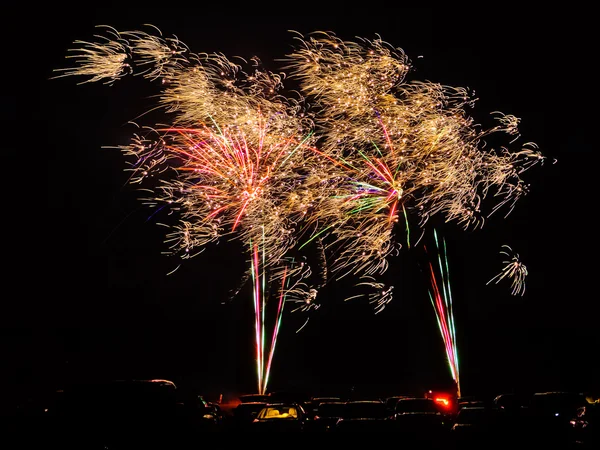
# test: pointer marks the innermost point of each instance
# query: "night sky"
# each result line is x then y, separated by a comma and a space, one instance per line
86, 291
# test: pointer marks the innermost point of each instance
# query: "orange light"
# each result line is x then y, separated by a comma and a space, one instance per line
443, 401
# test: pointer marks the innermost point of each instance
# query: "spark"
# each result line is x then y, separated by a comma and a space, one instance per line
513, 270
100, 61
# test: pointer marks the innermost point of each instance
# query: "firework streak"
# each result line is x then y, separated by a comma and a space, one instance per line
440, 295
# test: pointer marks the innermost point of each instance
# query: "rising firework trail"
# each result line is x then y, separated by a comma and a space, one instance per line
440, 294
264, 352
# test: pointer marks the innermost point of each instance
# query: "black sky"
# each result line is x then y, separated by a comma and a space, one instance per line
86, 291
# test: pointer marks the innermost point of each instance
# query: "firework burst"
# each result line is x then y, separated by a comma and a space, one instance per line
239, 159
229, 162
397, 148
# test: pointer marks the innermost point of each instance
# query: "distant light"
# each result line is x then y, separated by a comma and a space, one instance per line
556, 414
442, 400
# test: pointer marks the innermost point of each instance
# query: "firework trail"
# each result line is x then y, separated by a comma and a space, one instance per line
440, 295
262, 350
513, 270
290, 288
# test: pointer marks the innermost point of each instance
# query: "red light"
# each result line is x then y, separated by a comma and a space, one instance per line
444, 401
